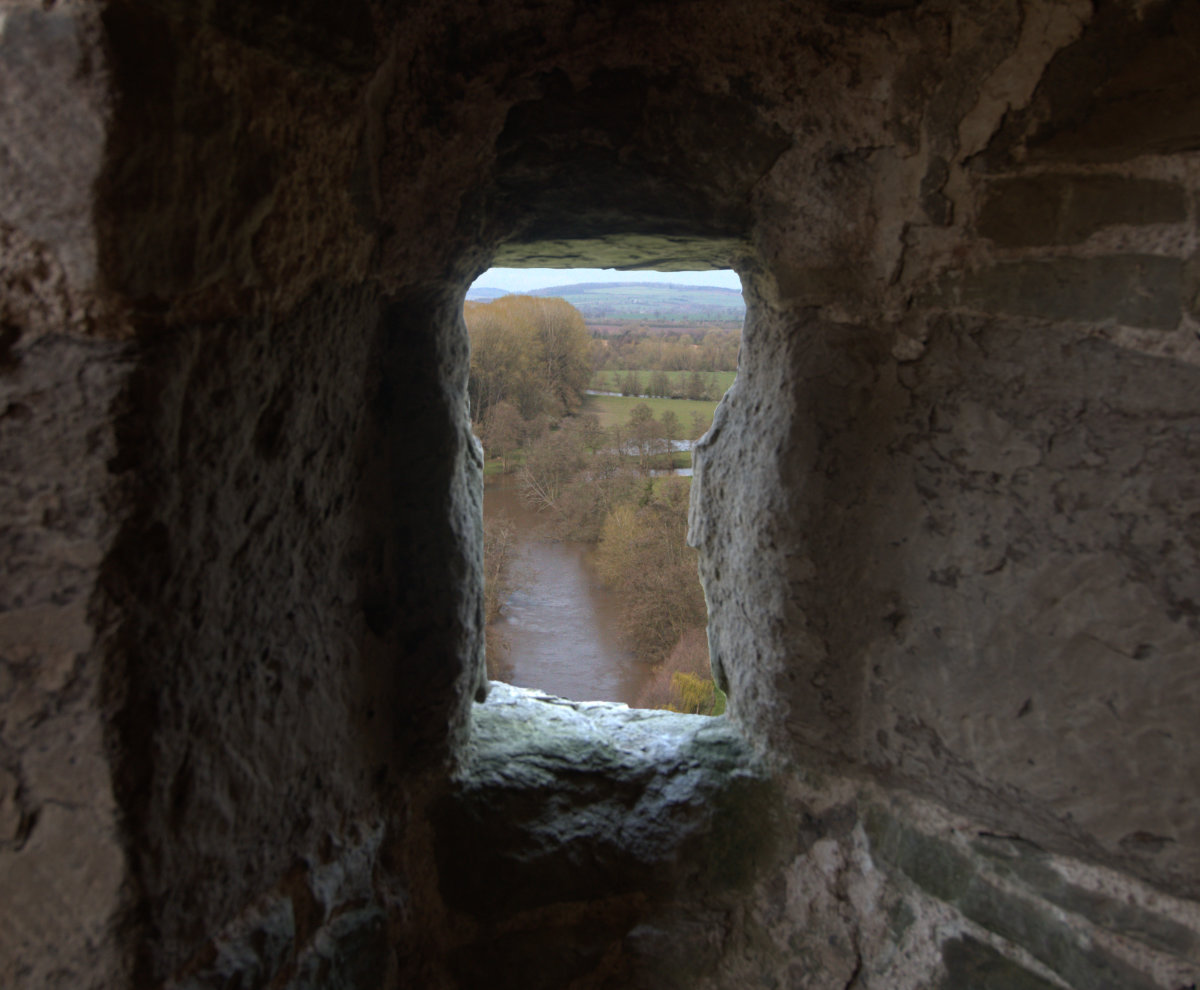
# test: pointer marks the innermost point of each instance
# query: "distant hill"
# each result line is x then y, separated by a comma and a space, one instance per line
650, 301
643, 301
485, 295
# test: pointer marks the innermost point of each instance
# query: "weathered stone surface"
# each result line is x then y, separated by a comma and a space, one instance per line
625, 251
1123, 89
323, 928
1137, 290
62, 895
1035, 869
352, 953
950, 875
589, 836
1018, 482
268, 478
976, 965
937, 207
60, 898
54, 119
249, 953
642, 178
1021, 488
952, 555
1059, 209
651, 802
226, 134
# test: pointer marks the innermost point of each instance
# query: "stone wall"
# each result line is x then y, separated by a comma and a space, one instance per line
646, 849
58, 382
241, 505
946, 516
969, 540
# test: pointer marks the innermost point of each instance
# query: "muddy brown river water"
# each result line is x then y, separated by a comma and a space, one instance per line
561, 627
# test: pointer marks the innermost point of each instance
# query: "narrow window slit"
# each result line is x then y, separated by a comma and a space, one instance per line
588, 390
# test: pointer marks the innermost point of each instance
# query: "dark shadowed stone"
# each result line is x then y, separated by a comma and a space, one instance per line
1135, 290
351, 953
591, 167
308, 34
1058, 209
974, 965
873, 6
1191, 286
1127, 87
550, 957
249, 954
674, 951
934, 202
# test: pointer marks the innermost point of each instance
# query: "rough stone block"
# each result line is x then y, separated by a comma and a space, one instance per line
352, 953
249, 953
952, 875
547, 958
975, 965
1058, 209
934, 202
1134, 290
52, 132
560, 801
1126, 88
1029, 865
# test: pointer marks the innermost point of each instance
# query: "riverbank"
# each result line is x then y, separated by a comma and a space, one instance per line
559, 631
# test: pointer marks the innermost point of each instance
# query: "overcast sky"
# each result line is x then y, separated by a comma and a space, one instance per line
524, 279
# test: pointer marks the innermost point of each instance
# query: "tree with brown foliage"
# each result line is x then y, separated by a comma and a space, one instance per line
644, 557
530, 351
683, 681
501, 432
551, 463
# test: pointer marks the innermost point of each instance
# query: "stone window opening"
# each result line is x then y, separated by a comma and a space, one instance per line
612, 810
591, 591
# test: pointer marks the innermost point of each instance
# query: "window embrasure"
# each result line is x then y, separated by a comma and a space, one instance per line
588, 394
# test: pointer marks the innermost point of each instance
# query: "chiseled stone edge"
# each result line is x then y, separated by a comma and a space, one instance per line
1018, 904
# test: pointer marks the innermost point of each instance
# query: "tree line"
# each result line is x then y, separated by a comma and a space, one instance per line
661, 384
638, 347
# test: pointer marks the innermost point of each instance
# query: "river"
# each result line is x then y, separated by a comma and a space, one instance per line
562, 626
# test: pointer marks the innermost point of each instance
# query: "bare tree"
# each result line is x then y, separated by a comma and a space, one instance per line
550, 464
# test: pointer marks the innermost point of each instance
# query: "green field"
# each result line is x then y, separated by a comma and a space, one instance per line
610, 381
615, 409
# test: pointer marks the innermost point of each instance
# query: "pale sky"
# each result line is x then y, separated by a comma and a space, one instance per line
525, 279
